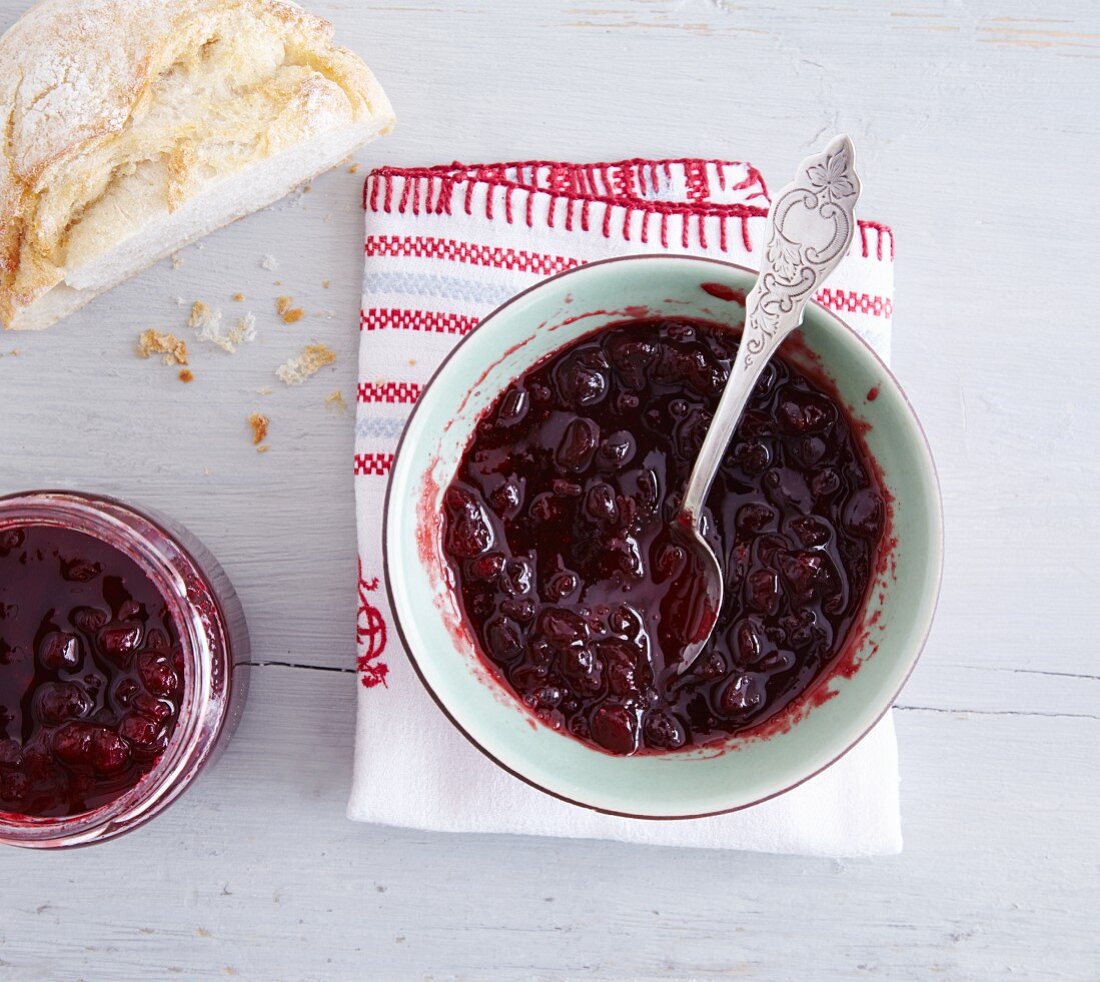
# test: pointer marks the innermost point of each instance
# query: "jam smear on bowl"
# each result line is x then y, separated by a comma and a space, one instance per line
91, 674
556, 527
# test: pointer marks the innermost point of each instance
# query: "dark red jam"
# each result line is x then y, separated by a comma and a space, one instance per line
90, 672
557, 529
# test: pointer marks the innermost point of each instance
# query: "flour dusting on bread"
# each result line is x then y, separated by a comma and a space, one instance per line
137, 126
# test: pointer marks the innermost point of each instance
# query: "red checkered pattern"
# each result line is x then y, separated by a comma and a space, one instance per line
695, 173
454, 250
378, 464
389, 391
433, 321
852, 302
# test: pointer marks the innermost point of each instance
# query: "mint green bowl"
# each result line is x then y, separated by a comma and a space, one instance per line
441, 647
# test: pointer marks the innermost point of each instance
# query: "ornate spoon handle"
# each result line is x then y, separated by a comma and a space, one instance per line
809, 229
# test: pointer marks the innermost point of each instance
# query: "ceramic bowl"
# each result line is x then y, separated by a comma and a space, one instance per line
698, 781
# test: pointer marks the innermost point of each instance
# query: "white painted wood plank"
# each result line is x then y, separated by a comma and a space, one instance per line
257, 870
1006, 428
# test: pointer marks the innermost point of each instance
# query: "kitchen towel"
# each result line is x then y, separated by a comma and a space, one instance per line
445, 246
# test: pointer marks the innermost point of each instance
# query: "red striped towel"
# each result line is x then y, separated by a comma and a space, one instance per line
445, 246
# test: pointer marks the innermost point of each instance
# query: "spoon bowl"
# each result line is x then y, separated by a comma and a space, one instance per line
694, 600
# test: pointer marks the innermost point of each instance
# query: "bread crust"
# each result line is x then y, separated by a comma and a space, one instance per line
76, 74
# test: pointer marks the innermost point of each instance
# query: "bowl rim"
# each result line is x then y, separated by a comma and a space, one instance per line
938, 544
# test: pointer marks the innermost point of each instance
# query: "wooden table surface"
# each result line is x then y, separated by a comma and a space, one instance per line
977, 129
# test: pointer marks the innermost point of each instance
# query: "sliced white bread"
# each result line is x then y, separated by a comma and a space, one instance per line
138, 126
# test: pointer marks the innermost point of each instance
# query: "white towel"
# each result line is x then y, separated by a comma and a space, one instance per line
446, 245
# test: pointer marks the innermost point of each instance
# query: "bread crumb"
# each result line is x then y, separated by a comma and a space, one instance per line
177, 260
200, 314
186, 375
207, 321
243, 330
412, 361
265, 390
269, 263
259, 423
172, 350
353, 169
307, 189
313, 358
262, 448
290, 314
326, 283
238, 297
277, 282
334, 402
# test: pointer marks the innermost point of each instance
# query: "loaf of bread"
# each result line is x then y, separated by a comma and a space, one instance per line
133, 127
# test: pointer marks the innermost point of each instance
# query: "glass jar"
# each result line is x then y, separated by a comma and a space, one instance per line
213, 641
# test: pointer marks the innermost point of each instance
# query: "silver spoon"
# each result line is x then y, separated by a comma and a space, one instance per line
808, 232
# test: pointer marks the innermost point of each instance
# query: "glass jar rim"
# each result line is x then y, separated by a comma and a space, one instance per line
135, 534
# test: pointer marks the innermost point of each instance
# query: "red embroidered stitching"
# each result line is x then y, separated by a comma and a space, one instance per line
883, 231
624, 181
433, 321
857, 303
373, 464
695, 174
370, 633
575, 182
752, 177
389, 391
576, 178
